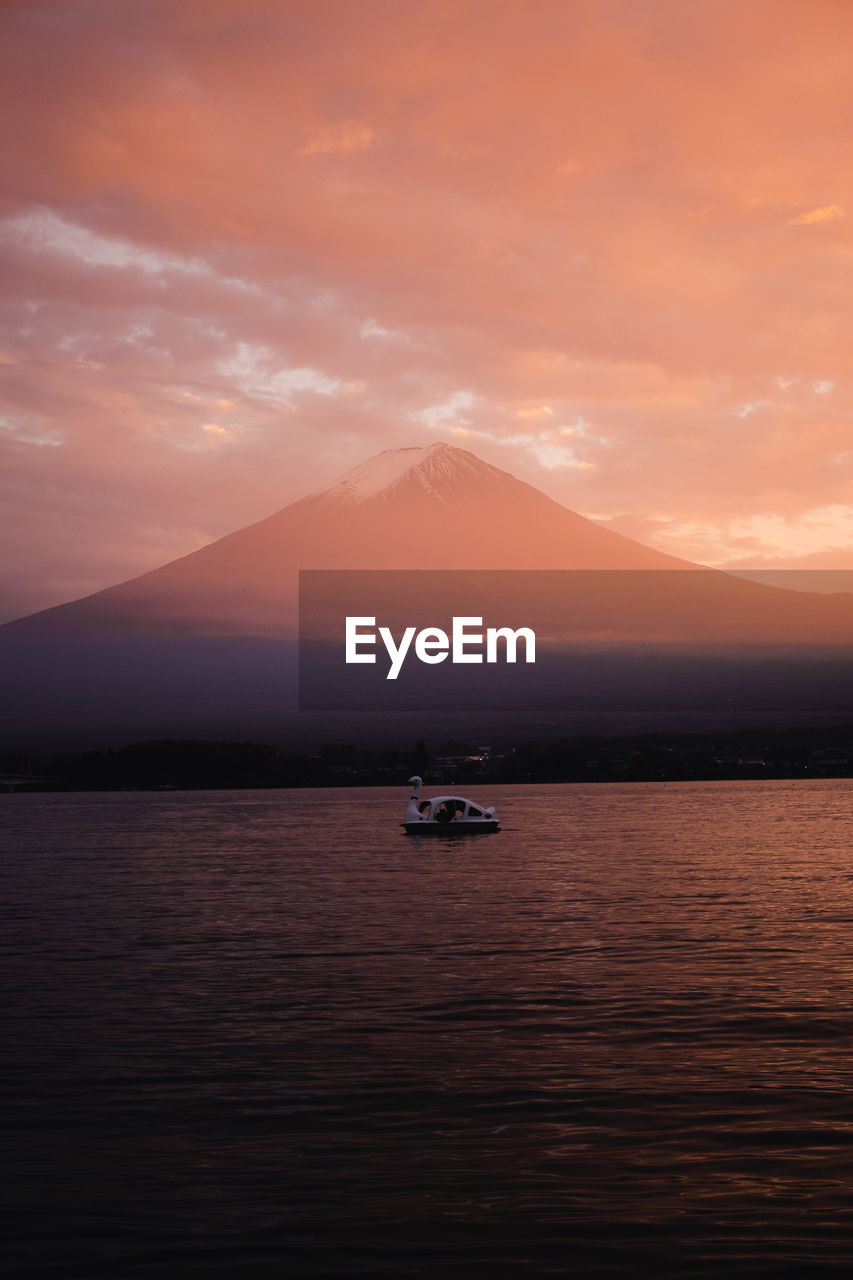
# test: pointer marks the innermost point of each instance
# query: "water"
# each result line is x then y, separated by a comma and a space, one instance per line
265, 1034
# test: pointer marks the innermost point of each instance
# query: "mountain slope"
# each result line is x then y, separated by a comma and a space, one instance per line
419, 508
205, 646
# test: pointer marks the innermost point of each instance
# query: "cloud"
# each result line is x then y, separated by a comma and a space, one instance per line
828, 528
568, 242
30, 432
43, 228
813, 538
341, 139
552, 456
828, 213
258, 372
449, 412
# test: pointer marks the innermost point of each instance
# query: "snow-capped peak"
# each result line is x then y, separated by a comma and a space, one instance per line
387, 469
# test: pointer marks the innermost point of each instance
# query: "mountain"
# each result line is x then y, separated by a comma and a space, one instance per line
628, 638
436, 507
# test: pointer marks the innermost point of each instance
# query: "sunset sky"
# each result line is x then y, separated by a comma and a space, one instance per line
604, 244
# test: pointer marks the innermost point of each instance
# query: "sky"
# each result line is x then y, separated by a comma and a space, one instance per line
246, 244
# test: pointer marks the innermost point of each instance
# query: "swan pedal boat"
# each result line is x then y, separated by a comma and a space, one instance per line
446, 815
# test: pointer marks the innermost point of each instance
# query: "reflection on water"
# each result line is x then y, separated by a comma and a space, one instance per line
267, 1034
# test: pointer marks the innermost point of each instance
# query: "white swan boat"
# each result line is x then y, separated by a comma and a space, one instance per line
446, 815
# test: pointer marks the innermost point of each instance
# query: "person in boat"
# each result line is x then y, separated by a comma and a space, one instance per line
445, 812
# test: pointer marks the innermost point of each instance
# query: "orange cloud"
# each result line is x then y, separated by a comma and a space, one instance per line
342, 139
828, 213
582, 218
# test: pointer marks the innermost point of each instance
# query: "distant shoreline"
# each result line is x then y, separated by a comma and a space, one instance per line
180, 764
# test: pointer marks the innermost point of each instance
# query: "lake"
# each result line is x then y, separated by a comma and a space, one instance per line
264, 1033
